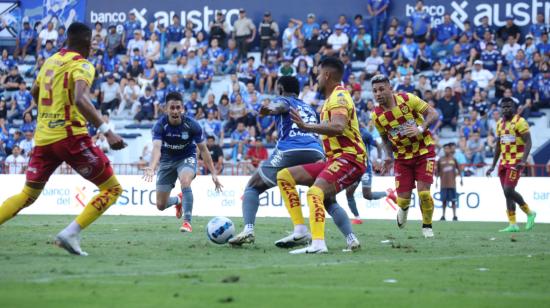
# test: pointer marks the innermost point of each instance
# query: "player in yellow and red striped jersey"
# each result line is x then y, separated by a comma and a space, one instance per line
345, 152
403, 120
514, 142
62, 92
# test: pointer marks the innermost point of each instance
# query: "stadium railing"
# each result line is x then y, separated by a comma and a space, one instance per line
246, 168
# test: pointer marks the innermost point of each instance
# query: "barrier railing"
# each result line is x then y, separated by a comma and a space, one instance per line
246, 168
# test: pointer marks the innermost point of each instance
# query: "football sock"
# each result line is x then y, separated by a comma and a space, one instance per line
72, 228
352, 205
171, 201
287, 186
300, 229
427, 206
251, 202
511, 217
340, 218
109, 192
187, 200
315, 197
375, 195
318, 243
525, 208
350, 238
248, 227
16, 203
403, 203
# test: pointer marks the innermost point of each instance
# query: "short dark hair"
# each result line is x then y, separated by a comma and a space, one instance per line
174, 96
210, 137
334, 63
379, 79
290, 84
505, 100
79, 34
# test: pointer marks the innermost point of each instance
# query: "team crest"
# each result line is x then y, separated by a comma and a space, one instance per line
341, 100
185, 135
404, 108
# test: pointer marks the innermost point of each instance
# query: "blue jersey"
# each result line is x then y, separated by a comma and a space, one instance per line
178, 141
420, 22
290, 136
491, 59
23, 100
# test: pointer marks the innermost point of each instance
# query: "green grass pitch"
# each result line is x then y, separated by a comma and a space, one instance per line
146, 262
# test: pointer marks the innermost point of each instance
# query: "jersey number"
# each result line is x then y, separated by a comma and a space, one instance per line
430, 166
48, 86
334, 167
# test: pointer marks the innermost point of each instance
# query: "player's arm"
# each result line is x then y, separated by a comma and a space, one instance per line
528, 144
85, 106
205, 154
274, 107
333, 127
429, 113
35, 91
149, 172
459, 170
495, 158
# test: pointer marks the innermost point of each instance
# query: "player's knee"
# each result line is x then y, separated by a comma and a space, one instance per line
425, 196
31, 193
161, 206
508, 192
367, 194
317, 193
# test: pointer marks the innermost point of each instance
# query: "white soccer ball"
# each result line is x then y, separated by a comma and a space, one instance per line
220, 229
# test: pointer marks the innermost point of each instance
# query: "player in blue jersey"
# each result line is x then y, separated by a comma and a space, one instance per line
366, 182
294, 147
176, 138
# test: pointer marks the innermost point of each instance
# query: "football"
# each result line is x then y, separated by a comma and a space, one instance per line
220, 229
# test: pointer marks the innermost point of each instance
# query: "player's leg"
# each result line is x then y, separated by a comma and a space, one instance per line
167, 175
187, 171
350, 191
42, 164
453, 199
423, 174
443, 194
366, 183
341, 220
404, 184
509, 187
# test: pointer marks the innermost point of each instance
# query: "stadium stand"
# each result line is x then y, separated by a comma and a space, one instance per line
225, 77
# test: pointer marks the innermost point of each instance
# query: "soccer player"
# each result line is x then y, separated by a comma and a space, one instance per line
448, 169
515, 144
403, 120
176, 138
61, 91
366, 183
345, 164
294, 147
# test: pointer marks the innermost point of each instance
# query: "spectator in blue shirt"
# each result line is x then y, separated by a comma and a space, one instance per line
457, 59
48, 50
480, 30
309, 25
174, 34
230, 57
391, 42
148, 108
193, 108
203, 77
467, 31
343, 24
239, 139
29, 124
420, 20
22, 102
491, 58
425, 57
378, 11
61, 38
387, 68
7, 63
538, 28
446, 35
544, 46
409, 49
215, 56
130, 26
541, 87
468, 87
325, 31
25, 42
406, 86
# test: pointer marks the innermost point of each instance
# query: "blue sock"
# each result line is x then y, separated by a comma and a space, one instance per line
352, 205
340, 218
187, 203
171, 201
378, 195
251, 202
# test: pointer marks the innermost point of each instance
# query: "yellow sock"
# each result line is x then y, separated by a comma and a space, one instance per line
16, 203
109, 192
315, 197
287, 186
525, 208
427, 206
403, 203
511, 217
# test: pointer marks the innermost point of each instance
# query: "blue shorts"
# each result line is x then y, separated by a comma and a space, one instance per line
169, 171
283, 159
366, 179
448, 194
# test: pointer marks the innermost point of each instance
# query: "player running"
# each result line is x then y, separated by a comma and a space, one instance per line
515, 144
448, 169
176, 138
294, 147
346, 157
403, 120
366, 183
62, 92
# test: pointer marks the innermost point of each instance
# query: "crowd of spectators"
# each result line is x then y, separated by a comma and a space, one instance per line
463, 73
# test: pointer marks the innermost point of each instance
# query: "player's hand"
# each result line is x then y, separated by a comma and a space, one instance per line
264, 111
386, 167
216, 181
115, 141
519, 166
296, 118
148, 174
489, 171
411, 130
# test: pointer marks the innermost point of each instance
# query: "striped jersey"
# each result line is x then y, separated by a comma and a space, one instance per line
512, 145
408, 111
58, 117
350, 141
